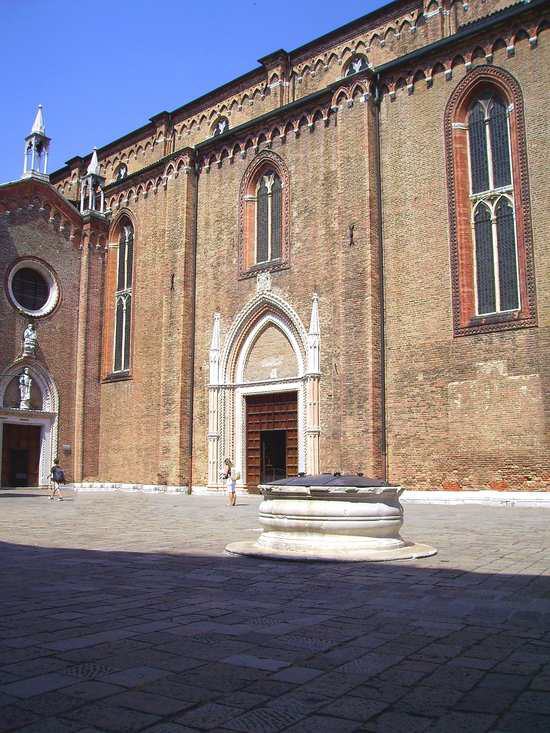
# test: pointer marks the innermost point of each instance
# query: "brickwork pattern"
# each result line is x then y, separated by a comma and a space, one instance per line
489, 437
458, 412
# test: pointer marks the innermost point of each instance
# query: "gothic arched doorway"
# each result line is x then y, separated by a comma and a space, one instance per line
263, 393
28, 436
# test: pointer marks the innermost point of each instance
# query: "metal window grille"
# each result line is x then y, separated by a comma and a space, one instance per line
507, 261
123, 300
276, 212
500, 144
479, 167
492, 196
485, 275
262, 238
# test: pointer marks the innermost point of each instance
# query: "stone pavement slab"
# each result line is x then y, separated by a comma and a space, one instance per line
121, 612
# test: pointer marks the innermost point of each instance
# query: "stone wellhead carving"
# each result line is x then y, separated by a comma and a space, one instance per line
331, 517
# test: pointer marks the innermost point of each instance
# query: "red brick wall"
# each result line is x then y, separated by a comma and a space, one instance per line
469, 411
27, 232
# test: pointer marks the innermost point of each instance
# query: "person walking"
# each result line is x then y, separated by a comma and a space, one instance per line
230, 482
57, 476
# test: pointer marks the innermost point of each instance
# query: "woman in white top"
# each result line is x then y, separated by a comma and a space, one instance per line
230, 482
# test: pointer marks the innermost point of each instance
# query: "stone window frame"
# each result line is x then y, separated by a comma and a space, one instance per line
50, 276
123, 295
266, 161
111, 297
481, 81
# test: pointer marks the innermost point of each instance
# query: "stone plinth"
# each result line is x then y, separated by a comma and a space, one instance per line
326, 517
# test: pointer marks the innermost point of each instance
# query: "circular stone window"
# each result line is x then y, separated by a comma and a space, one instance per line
32, 287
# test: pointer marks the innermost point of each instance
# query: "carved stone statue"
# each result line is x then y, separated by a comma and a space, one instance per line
30, 341
25, 383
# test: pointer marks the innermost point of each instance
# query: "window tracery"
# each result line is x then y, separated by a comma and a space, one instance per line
491, 241
123, 300
263, 214
268, 217
492, 196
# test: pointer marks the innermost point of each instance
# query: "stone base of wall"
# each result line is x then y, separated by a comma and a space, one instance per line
206, 491
143, 488
484, 496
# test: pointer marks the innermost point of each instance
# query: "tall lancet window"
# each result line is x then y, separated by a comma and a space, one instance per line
492, 267
492, 196
268, 217
264, 216
123, 299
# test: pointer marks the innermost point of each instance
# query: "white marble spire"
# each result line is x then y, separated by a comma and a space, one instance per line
314, 338
38, 127
35, 158
214, 355
93, 168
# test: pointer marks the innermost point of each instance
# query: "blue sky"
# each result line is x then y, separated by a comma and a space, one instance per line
103, 68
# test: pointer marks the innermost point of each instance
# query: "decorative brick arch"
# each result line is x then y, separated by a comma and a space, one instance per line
465, 320
267, 159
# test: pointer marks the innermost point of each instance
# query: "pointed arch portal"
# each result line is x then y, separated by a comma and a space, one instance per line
264, 393
33, 431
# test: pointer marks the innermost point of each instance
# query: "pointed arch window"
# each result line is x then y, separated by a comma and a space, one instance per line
492, 196
492, 261
264, 216
123, 300
268, 217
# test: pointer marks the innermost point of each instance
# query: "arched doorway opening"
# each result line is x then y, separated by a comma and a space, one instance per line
264, 393
28, 437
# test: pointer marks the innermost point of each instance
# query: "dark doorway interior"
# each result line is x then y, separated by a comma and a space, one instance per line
20, 455
273, 460
271, 437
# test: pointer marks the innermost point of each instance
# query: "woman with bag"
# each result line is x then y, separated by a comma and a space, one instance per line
57, 476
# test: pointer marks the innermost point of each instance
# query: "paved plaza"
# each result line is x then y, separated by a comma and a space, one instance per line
121, 612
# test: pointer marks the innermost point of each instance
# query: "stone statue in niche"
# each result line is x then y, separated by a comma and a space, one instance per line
25, 383
30, 341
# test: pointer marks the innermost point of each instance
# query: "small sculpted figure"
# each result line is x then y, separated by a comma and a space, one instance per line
25, 382
30, 340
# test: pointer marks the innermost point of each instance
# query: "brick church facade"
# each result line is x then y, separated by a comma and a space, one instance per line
339, 261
